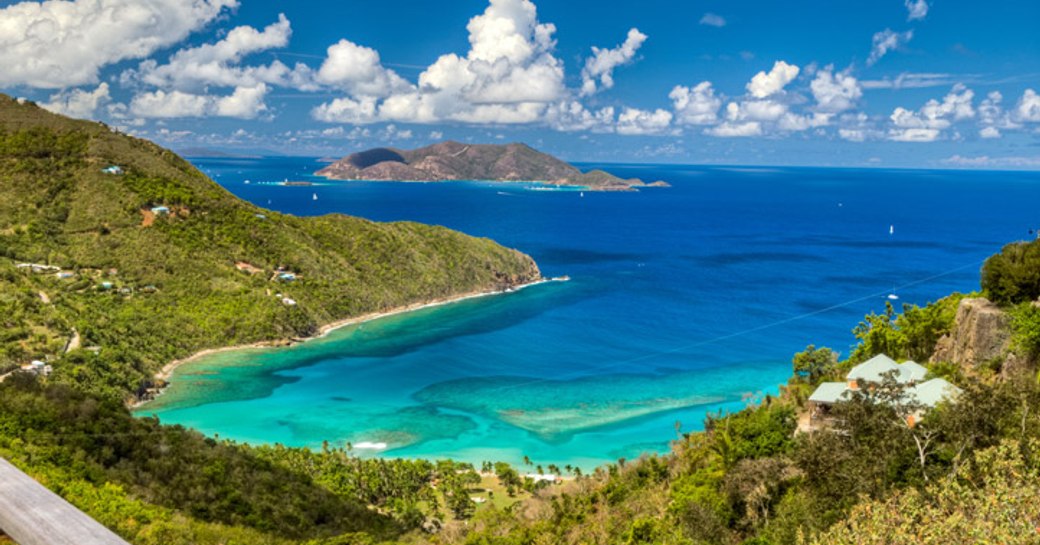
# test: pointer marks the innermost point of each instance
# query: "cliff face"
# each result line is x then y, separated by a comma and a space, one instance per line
981, 334
458, 161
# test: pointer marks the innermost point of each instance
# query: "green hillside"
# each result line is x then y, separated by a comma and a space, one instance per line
147, 288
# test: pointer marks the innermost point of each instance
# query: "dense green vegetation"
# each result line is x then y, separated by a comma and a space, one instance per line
750, 479
1012, 278
911, 334
1013, 275
966, 473
61, 432
149, 288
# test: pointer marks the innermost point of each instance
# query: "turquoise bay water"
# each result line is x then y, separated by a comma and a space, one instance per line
683, 302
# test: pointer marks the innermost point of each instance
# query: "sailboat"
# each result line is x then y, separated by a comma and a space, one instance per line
892, 296
315, 196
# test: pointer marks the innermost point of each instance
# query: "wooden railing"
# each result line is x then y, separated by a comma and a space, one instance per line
32, 515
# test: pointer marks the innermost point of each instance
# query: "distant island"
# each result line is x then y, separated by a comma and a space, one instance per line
455, 161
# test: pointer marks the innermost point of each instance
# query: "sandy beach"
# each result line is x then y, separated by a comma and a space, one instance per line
168, 370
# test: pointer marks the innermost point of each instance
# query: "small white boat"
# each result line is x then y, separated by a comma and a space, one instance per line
582, 193
893, 297
315, 196
891, 229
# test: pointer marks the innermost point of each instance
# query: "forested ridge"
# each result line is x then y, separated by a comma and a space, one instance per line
158, 262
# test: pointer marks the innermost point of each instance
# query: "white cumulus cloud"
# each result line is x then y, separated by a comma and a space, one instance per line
242, 103
347, 110
927, 123
989, 132
885, 41
993, 117
509, 75
60, 43
79, 103
755, 110
696, 105
161, 104
835, 93
1028, 109
598, 73
916, 9
358, 70
764, 84
633, 121
569, 116
219, 64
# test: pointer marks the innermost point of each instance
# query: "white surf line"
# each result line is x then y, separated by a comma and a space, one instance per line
733, 335
410, 309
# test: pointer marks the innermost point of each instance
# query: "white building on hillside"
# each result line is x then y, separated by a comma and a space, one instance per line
873, 371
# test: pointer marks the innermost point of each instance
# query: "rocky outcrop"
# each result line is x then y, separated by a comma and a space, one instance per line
484, 162
981, 334
508, 281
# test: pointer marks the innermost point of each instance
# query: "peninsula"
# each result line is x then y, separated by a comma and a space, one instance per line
455, 161
138, 259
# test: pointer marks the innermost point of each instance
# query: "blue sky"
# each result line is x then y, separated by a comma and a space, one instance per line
900, 83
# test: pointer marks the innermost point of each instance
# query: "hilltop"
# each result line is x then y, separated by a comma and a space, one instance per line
449, 161
157, 261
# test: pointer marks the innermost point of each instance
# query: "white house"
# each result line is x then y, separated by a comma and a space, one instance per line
873, 371
38, 367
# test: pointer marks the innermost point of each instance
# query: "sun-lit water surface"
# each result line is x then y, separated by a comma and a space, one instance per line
683, 301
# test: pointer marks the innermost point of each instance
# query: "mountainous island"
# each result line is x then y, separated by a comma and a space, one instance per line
455, 161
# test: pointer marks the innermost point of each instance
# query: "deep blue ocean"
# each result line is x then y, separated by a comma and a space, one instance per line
682, 301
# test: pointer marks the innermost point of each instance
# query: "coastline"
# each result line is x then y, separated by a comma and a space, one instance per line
536, 183
168, 370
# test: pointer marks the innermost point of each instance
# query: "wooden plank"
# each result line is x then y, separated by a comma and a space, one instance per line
32, 515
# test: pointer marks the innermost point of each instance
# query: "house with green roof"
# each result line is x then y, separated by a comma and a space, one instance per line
918, 393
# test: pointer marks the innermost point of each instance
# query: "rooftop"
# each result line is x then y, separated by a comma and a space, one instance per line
829, 392
908, 373
874, 369
932, 392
